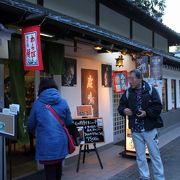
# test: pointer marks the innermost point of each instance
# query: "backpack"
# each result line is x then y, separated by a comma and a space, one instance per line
159, 121
150, 91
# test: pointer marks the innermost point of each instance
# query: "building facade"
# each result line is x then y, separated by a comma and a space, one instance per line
81, 25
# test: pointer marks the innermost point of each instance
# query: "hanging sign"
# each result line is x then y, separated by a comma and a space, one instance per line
142, 65
156, 63
31, 46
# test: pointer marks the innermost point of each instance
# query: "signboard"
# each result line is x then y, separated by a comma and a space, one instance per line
142, 65
31, 48
90, 129
85, 110
120, 81
89, 89
106, 73
8, 125
156, 63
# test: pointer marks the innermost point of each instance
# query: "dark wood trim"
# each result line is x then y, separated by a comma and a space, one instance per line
40, 2
173, 84
153, 39
166, 95
168, 46
175, 96
97, 12
75, 45
131, 29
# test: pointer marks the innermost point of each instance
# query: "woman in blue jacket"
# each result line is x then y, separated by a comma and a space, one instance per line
51, 140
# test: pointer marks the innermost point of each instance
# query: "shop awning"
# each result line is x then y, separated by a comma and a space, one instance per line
16, 12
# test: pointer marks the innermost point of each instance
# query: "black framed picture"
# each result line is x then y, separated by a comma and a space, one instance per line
106, 71
69, 78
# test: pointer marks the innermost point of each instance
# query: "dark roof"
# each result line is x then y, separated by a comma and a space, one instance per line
16, 10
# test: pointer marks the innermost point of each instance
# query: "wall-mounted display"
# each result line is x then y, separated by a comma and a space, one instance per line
69, 78
120, 81
156, 63
142, 65
106, 71
84, 111
89, 89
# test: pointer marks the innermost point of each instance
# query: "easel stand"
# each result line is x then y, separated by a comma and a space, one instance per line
86, 149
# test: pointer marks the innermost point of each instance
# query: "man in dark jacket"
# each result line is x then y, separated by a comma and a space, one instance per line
142, 105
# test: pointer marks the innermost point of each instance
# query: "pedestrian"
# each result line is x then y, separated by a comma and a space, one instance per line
142, 109
51, 140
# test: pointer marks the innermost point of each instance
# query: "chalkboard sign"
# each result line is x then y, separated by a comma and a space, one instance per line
90, 129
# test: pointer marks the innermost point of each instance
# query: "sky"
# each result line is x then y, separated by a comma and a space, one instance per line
172, 14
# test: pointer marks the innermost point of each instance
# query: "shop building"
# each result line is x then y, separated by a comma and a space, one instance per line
78, 26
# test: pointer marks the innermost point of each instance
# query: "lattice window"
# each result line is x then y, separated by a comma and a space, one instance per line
118, 121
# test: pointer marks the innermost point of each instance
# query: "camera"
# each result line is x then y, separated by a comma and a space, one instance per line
138, 112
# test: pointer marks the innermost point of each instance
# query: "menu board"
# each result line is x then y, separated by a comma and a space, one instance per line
8, 126
90, 129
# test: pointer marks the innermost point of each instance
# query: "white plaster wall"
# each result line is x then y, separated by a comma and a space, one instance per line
114, 21
169, 75
142, 34
81, 9
4, 37
160, 42
87, 58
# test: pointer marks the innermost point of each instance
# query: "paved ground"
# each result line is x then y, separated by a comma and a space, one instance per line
171, 160
118, 168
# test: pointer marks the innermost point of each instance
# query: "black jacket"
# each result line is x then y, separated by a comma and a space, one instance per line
151, 103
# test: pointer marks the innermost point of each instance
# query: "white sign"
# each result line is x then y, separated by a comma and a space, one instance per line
14, 108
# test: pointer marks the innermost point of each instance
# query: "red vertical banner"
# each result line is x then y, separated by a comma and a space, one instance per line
31, 48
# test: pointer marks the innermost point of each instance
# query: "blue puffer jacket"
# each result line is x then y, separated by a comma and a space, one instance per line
51, 140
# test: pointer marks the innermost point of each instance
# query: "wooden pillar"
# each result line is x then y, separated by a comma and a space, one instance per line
97, 12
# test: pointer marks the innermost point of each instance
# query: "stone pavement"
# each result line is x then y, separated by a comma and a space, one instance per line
119, 168
170, 154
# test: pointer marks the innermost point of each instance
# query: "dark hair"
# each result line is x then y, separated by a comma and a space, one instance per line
46, 84
137, 73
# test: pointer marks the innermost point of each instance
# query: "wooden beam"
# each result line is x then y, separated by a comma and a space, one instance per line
40, 2
97, 12
153, 39
131, 29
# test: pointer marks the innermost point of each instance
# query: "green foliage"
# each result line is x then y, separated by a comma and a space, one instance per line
154, 8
